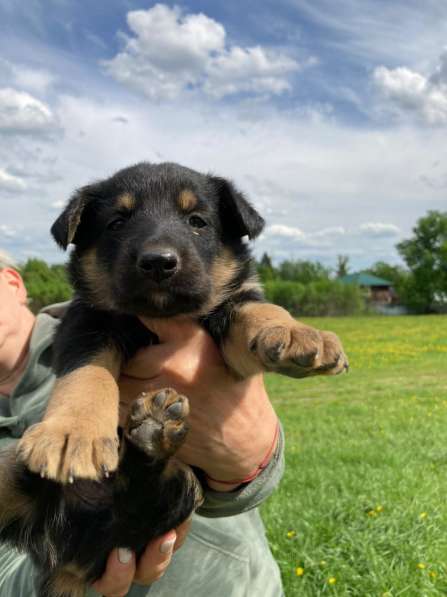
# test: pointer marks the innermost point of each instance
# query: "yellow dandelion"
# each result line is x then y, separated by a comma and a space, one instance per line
291, 534
432, 574
323, 563
423, 515
372, 513
421, 566
299, 571
379, 509
331, 580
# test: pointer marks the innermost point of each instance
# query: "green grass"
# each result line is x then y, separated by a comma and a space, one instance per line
364, 495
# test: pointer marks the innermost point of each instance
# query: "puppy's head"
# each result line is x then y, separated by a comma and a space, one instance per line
157, 240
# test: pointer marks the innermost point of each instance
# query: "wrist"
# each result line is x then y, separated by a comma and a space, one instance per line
229, 483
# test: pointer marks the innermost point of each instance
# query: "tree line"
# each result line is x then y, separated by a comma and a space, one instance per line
308, 287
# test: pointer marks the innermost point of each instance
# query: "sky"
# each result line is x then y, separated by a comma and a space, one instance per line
330, 116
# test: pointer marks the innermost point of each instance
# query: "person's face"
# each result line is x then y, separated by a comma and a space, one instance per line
12, 301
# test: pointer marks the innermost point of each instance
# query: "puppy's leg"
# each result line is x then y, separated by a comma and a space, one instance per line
157, 426
78, 435
265, 337
155, 430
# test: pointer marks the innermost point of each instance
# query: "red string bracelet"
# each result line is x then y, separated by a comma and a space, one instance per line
264, 463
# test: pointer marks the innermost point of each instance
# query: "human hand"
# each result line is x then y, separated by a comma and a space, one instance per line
122, 569
232, 423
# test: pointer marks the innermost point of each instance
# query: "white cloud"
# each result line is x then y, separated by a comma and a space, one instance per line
9, 182
36, 80
331, 231
284, 231
26, 77
410, 92
252, 70
21, 112
379, 229
172, 52
318, 178
7, 231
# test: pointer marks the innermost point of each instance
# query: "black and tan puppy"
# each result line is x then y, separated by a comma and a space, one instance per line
155, 241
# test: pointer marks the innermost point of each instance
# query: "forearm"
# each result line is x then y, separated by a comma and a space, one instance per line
250, 495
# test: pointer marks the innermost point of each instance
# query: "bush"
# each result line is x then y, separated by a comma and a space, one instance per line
45, 284
323, 297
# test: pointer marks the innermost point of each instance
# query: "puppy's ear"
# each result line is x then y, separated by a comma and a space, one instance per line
239, 218
65, 227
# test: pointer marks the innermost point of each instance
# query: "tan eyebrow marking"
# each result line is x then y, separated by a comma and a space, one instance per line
187, 201
126, 201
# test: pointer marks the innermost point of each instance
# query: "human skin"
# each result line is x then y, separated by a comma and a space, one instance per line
232, 423
16, 324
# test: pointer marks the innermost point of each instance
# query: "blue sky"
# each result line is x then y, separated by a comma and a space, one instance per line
332, 117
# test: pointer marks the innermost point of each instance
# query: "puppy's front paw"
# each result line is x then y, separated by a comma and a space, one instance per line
157, 422
65, 449
299, 351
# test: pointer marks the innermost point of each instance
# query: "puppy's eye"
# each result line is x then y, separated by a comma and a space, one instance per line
116, 224
196, 222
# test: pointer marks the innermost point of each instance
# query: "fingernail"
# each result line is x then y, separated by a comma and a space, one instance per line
124, 555
168, 544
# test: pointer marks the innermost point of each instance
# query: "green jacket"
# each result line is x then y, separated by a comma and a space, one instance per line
225, 554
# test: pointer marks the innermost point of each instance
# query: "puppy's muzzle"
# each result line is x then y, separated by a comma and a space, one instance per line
158, 265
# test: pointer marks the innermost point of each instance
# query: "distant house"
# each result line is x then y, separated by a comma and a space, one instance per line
378, 290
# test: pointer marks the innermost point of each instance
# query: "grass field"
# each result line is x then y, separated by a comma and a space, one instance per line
362, 508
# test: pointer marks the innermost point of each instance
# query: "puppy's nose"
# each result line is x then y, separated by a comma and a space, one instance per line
158, 266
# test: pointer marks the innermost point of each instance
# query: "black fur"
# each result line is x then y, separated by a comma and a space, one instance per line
83, 522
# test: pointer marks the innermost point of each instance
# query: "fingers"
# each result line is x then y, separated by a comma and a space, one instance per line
122, 571
155, 559
119, 574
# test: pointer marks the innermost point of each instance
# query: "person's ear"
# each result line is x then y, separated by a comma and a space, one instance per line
15, 283
239, 218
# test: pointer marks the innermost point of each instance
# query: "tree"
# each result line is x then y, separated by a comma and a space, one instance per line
266, 269
266, 261
426, 257
342, 266
45, 284
303, 271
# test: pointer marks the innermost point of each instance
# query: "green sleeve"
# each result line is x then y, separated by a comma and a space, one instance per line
17, 574
249, 496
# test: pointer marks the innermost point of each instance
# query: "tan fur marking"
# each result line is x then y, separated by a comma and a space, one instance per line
126, 201
252, 284
98, 280
69, 581
265, 337
13, 504
224, 269
187, 201
78, 435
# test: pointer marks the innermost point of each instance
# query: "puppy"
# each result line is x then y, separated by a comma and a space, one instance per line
155, 241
